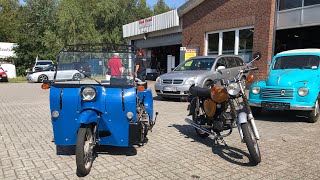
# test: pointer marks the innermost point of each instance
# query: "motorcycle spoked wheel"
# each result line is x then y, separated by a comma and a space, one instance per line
251, 143
84, 150
200, 133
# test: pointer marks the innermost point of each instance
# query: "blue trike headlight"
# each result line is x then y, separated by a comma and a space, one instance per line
88, 94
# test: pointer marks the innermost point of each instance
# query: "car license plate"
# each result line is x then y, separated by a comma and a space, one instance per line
276, 105
167, 88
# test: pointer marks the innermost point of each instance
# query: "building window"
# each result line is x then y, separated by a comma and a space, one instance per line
228, 42
246, 43
311, 2
213, 44
238, 42
289, 4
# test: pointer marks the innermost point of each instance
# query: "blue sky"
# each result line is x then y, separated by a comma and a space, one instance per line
171, 3
151, 3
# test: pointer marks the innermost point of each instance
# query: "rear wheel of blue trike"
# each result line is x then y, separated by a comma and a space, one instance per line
84, 150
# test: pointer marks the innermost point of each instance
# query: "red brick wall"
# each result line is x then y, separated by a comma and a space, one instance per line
215, 15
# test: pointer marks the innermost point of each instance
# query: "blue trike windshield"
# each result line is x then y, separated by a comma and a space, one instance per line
94, 64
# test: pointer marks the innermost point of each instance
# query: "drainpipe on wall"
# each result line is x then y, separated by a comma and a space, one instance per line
275, 27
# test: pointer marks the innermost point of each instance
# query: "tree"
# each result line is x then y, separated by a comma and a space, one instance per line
39, 18
160, 7
10, 20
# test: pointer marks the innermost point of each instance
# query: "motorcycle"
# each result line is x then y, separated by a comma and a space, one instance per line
223, 107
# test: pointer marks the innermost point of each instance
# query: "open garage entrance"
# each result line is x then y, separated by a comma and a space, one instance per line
297, 38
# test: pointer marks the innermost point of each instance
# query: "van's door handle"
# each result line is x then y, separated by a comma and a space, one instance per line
228, 72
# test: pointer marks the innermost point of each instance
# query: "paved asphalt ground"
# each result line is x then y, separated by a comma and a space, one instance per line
290, 147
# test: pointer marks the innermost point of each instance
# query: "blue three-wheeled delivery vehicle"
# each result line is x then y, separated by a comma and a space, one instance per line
95, 99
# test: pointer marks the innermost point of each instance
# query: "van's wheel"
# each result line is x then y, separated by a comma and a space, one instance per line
42, 78
313, 115
251, 143
76, 77
84, 150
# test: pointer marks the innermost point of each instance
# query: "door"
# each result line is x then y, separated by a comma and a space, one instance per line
224, 73
233, 66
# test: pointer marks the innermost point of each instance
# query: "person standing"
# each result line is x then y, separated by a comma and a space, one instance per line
115, 65
140, 68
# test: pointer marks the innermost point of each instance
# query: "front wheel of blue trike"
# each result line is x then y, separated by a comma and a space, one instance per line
84, 150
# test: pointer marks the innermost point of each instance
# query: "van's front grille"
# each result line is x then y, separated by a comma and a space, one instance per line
170, 81
277, 93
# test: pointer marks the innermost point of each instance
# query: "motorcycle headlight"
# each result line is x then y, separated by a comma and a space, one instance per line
256, 90
158, 80
88, 94
233, 89
303, 91
191, 81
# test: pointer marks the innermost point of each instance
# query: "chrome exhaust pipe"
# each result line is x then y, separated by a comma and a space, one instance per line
198, 126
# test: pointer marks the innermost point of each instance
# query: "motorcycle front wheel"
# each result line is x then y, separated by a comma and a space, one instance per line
84, 151
251, 143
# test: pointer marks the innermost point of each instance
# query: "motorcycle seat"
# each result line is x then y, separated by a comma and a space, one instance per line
200, 92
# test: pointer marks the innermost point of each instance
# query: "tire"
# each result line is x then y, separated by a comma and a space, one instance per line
42, 78
199, 132
251, 143
84, 151
76, 77
313, 116
208, 84
256, 111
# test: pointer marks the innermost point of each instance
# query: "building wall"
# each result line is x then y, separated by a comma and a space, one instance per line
215, 15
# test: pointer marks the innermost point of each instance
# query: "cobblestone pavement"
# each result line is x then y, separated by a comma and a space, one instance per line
289, 146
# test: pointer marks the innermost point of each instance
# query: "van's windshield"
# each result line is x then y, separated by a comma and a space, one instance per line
297, 62
196, 64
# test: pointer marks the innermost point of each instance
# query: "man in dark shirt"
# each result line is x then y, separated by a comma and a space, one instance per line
115, 65
140, 69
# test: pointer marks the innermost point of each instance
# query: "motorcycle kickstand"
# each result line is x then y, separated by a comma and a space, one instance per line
218, 138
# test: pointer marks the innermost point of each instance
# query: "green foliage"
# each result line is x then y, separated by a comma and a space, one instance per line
160, 7
42, 27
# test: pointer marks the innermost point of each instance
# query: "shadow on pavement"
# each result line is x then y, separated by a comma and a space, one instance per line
280, 116
120, 151
230, 154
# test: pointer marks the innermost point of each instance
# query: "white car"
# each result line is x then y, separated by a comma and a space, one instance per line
48, 74
41, 64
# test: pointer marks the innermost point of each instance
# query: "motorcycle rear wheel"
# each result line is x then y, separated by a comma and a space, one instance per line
200, 133
84, 151
251, 143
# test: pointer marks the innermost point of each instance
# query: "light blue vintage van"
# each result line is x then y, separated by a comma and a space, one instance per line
293, 83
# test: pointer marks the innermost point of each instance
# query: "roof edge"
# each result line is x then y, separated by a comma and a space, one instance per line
188, 6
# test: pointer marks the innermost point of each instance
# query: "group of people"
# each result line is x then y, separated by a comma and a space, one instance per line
116, 67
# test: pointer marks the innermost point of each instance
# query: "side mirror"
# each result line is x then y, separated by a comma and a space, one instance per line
221, 68
257, 56
5, 70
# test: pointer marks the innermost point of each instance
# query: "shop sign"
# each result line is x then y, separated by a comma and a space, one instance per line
145, 22
189, 53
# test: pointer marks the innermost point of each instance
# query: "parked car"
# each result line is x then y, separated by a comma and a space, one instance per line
3, 75
48, 74
41, 64
199, 71
293, 83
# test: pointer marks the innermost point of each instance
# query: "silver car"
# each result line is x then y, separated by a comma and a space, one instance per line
200, 71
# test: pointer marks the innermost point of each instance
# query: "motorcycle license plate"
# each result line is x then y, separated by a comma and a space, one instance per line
167, 88
276, 105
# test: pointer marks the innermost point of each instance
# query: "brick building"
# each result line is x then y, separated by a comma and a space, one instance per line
243, 27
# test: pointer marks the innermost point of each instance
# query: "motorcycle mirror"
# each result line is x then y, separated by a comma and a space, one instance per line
257, 55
